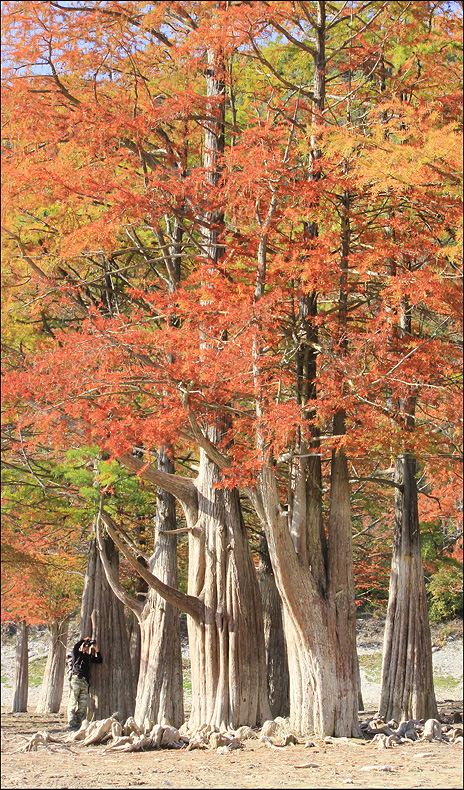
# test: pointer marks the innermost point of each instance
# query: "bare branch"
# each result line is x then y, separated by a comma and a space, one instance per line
180, 487
382, 480
128, 600
186, 603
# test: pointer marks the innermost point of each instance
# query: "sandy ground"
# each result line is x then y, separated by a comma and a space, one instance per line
339, 764
326, 765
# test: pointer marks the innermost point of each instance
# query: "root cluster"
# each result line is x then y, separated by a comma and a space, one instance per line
387, 735
131, 737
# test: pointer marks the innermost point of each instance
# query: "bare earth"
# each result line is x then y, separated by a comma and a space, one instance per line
342, 763
338, 764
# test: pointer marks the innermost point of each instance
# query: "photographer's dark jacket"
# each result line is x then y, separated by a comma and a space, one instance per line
81, 661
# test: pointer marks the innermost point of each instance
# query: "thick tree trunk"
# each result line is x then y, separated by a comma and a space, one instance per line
319, 625
21, 674
51, 692
274, 639
112, 686
407, 690
227, 653
341, 591
159, 689
223, 604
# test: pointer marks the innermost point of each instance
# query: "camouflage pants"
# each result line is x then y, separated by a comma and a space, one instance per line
78, 701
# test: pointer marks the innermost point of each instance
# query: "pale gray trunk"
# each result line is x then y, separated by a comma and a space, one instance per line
407, 690
227, 653
159, 688
274, 638
319, 626
21, 673
51, 692
112, 686
341, 591
135, 640
225, 623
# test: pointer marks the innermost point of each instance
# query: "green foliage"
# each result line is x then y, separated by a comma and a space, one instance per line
445, 594
443, 571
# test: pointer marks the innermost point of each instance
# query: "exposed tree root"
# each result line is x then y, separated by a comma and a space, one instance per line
42, 739
388, 735
130, 737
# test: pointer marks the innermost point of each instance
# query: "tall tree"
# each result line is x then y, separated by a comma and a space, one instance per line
273, 372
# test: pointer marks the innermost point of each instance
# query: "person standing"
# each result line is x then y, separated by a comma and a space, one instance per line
84, 653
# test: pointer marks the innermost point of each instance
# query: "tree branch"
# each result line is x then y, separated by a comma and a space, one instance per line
186, 603
24, 254
222, 461
383, 480
128, 600
181, 487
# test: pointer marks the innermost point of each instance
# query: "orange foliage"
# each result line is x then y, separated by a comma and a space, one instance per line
103, 159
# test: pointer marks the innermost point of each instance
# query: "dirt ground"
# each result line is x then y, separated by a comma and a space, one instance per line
338, 764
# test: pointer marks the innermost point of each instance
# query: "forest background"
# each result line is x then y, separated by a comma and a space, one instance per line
232, 242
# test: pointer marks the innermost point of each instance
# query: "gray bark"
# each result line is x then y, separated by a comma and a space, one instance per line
51, 692
407, 690
227, 653
112, 685
135, 641
21, 674
319, 628
223, 604
159, 688
274, 638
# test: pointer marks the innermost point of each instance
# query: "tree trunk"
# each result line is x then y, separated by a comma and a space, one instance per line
21, 674
319, 620
407, 690
407, 672
112, 685
51, 691
135, 641
160, 689
227, 652
274, 638
341, 590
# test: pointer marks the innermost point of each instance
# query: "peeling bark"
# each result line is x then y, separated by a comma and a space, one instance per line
227, 652
159, 688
